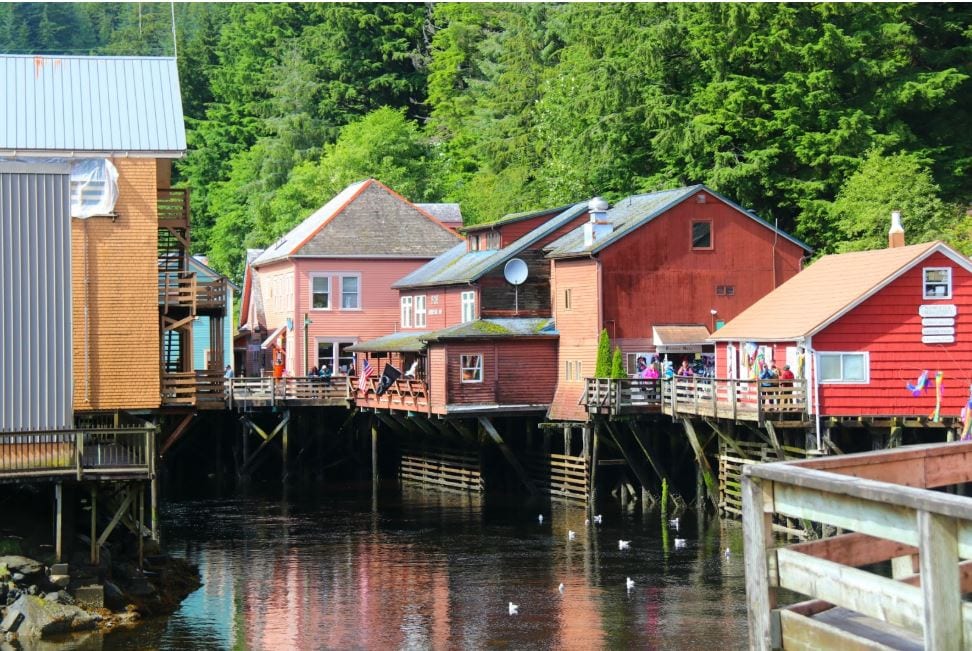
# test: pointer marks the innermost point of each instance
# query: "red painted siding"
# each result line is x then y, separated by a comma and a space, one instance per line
527, 371
579, 328
887, 325
652, 276
443, 306
438, 384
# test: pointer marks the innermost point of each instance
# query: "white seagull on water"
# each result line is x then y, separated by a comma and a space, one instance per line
727, 553
628, 583
571, 535
514, 609
598, 519
624, 544
540, 518
680, 543
673, 523
561, 588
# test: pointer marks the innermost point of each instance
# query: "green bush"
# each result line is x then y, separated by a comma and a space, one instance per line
603, 367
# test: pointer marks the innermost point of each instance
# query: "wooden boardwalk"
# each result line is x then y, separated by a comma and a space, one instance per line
263, 392
742, 400
117, 454
888, 520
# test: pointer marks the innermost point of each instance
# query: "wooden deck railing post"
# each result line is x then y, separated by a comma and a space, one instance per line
757, 544
940, 581
78, 452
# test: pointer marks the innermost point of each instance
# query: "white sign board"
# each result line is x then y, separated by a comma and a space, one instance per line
938, 331
937, 310
938, 339
932, 323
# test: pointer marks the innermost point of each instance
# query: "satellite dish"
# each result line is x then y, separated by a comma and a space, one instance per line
515, 271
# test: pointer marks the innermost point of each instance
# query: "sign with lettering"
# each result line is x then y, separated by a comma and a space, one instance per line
938, 331
931, 323
938, 339
937, 310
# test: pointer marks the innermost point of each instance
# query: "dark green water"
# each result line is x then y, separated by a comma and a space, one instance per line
432, 570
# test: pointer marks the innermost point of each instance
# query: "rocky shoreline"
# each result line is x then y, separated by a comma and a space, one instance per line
41, 601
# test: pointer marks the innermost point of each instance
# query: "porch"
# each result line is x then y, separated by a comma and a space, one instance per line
404, 394
245, 393
747, 400
117, 454
199, 389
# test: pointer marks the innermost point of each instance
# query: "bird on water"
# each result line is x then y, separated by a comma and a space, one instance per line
624, 544
514, 609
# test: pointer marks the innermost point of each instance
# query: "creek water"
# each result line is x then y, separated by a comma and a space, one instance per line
335, 568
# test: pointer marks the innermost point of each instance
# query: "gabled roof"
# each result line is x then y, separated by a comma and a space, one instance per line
447, 213
251, 292
365, 220
198, 265
406, 341
825, 291
635, 211
512, 218
90, 105
457, 265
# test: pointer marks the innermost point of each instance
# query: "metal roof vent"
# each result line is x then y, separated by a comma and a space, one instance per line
598, 227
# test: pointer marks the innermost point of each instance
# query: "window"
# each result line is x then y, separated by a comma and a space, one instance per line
568, 370
937, 282
468, 301
702, 235
338, 363
406, 311
325, 354
566, 299
350, 300
94, 188
345, 357
580, 370
471, 368
493, 240
320, 292
420, 311
852, 368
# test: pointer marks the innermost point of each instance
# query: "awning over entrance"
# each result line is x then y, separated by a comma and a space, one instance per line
680, 338
273, 337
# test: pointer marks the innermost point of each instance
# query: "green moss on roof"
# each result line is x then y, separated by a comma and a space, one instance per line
490, 328
513, 217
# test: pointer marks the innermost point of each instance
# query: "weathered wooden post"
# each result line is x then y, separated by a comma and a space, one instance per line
940, 581
58, 520
757, 542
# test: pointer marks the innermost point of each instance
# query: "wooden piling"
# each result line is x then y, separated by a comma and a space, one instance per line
59, 521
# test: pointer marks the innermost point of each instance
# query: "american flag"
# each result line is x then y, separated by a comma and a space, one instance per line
366, 372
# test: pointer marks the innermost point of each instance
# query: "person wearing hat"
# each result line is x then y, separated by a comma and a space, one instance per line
786, 378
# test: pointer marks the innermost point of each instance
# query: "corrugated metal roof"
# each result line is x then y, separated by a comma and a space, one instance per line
80, 104
457, 266
635, 211
824, 291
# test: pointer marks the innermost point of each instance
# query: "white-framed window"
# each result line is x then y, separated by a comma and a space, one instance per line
468, 302
471, 368
420, 311
579, 370
350, 293
567, 298
335, 354
406, 311
843, 368
320, 286
94, 187
568, 370
937, 282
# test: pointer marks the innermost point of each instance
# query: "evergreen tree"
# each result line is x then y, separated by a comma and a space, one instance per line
617, 365
602, 367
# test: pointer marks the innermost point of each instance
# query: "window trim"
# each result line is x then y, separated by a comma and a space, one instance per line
463, 368
406, 311
567, 299
423, 312
357, 276
471, 302
841, 354
311, 277
948, 284
692, 224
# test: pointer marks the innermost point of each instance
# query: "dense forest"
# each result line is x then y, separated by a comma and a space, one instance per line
822, 117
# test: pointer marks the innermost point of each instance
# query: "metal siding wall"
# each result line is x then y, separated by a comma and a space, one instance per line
35, 302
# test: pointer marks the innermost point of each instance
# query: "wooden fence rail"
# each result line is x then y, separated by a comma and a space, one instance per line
889, 516
268, 391
77, 452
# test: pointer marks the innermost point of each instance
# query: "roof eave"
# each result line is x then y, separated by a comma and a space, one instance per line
93, 153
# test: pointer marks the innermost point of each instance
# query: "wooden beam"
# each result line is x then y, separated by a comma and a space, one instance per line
659, 470
488, 427
712, 489
268, 437
114, 520
938, 536
757, 543
854, 549
628, 454
177, 433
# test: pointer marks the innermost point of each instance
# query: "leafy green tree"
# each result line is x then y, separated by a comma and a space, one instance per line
602, 367
861, 212
617, 365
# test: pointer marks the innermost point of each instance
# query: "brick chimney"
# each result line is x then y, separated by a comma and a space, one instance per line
896, 236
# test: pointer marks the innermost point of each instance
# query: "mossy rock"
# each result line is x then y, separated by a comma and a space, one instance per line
4, 572
10, 547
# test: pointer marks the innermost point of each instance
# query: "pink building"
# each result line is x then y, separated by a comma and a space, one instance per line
328, 282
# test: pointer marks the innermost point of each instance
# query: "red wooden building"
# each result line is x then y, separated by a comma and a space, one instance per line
468, 341
659, 271
861, 327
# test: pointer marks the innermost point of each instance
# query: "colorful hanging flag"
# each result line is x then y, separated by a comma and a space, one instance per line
366, 372
920, 385
936, 415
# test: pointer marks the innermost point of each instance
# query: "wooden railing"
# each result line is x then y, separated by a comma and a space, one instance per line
698, 396
173, 207
177, 289
211, 294
77, 452
203, 389
408, 394
883, 506
268, 391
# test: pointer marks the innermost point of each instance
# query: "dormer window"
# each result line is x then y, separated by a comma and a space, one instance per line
937, 282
